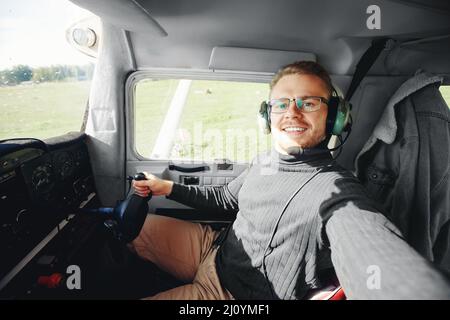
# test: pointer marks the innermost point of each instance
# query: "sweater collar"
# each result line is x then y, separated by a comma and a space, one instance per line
313, 156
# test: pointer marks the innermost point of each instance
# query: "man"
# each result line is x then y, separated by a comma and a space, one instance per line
297, 215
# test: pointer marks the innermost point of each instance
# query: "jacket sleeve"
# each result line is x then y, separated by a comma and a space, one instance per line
220, 199
372, 261
440, 205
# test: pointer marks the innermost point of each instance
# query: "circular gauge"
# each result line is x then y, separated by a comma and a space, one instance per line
81, 157
64, 164
42, 178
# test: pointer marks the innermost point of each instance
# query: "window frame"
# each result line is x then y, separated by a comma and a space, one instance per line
163, 74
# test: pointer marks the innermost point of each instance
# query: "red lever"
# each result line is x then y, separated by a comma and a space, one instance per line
339, 295
51, 281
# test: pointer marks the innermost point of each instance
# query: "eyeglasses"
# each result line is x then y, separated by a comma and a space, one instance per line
304, 104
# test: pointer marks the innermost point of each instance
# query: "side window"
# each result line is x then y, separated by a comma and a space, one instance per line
44, 81
199, 119
445, 91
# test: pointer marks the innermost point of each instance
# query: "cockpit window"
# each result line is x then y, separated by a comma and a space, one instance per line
199, 119
445, 91
44, 81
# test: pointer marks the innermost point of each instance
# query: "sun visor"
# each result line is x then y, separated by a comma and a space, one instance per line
257, 60
128, 15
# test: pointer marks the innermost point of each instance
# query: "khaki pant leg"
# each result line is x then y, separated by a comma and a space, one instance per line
174, 245
206, 284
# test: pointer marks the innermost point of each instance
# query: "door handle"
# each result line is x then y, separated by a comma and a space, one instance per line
188, 169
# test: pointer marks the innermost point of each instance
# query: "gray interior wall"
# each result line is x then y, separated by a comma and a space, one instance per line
335, 31
105, 125
432, 55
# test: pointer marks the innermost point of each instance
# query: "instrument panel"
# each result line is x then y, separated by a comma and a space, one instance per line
53, 179
40, 185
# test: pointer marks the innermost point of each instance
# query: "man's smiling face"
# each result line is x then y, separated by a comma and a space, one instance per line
295, 128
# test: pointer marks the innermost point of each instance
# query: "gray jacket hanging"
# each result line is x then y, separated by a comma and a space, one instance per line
405, 165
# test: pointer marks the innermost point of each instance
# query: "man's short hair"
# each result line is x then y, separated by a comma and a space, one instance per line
303, 67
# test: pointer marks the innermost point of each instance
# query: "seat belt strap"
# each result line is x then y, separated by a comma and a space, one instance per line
364, 64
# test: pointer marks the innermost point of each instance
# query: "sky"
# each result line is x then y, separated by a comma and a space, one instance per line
33, 33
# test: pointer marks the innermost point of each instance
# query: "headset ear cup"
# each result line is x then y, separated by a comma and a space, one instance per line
332, 113
264, 118
342, 117
338, 116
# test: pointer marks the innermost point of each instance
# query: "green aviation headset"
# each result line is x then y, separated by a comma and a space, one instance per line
338, 118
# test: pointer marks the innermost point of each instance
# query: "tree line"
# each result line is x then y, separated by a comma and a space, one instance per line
22, 73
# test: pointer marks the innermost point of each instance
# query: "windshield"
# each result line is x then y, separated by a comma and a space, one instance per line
44, 81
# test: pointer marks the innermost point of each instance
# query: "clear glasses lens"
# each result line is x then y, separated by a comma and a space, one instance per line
309, 104
279, 105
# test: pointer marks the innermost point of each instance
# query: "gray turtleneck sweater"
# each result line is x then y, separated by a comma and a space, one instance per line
290, 211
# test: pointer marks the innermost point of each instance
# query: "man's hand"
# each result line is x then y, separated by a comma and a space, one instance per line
155, 185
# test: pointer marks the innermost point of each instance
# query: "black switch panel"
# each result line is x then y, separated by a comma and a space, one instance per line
190, 180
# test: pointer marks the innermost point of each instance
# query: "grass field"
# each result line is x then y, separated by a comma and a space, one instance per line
51, 109
445, 91
42, 110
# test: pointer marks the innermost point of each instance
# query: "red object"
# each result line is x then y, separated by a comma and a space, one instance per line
338, 295
51, 281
